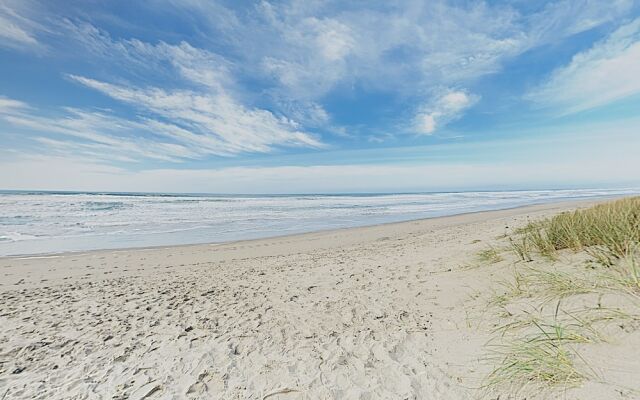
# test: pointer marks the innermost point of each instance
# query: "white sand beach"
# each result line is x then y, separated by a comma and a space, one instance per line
394, 311
319, 200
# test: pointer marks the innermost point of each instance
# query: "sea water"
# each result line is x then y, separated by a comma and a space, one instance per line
47, 222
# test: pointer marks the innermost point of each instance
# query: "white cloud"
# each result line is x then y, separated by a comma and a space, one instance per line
308, 113
607, 72
202, 117
91, 133
7, 104
207, 112
18, 30
191, 99
311, 56
559, 19
443, 110
180, 62
301, 51
408, 49
110, 138
411, 46
13, 34
213, 116
332, 38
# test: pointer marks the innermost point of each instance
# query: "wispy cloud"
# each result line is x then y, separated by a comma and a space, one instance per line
7, 104
16, 30
215, 117
201, 117
175, 63
407, 48
607, 72
464, 40
13, 35
301, 51
237, 79
559, 19
93, 133
206, 110
197, 70
443, 110
568, 150
410, 49
304, 51
111, 138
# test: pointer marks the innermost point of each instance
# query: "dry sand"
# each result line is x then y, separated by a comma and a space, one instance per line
379, 312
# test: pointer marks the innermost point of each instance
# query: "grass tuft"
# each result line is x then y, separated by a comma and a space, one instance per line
608, 232
490, 256
555, 284
522, 248
537, 350
541, 358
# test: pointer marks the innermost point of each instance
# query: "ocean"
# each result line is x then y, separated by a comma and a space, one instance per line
46, 222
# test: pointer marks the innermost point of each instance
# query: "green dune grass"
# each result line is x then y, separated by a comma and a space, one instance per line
588, 252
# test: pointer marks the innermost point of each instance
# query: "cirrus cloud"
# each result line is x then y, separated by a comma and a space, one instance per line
607, 72
444, 109
213, 115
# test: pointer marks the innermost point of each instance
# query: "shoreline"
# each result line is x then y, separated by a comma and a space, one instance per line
30, 271
534, 206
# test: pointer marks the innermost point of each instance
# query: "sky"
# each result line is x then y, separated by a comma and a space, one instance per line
319, 96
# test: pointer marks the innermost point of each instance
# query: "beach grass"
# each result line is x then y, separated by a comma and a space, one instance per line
590, 252
540, 358
490, 255
608, 232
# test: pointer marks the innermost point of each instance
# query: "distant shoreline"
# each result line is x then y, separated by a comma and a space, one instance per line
338, 194
487, 213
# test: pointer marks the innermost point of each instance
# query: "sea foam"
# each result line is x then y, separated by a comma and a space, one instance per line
37, 223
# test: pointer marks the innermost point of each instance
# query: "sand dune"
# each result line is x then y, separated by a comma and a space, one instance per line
367, 313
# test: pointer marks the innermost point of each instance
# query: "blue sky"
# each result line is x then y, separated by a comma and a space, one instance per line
311, 96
